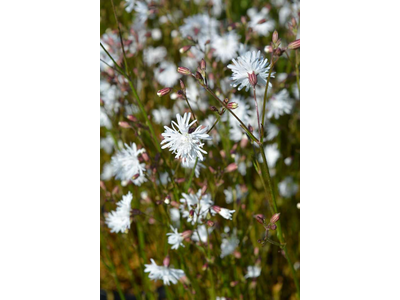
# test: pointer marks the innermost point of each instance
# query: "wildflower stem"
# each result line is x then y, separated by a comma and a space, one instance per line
193, 115
224, 104
265, 97
258, 114
191, 175
215, 123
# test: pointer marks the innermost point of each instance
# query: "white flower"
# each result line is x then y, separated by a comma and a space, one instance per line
216, 10
287, 187
166, 74
156, 34
175, 216
152, 56
243, 113
253, 272
203, 231
119, 220
228, 245
272, 154
142, 11
279, 104
231, 194
199, 26
127, 166
186, 145
226, 46
272, 131
107, 144
246, 64
162, 115
255, 17
199, 205
129, 4
104, 119
163, 273
175, 238
107, 173
225, 213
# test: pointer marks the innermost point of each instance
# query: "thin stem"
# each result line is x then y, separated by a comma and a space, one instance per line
192, 174
215, 123
187, 101
258, 114
265, 97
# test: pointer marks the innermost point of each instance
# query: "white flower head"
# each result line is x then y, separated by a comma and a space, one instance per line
262, 28
175, 238
199, 26
164, 273
152, 56
190, 165
162, 115
129, 5
279, 104
185, 144
166, 74
272, 154
127, 166
243, 112
225, 213
119, 220
201, 232
253, 272
228, 245
245, 65
195, 207
226, 46
287, 187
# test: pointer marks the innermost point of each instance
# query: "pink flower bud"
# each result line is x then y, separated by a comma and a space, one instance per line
217, 209
131, 118
252, 78
259, 218
166, 261
294, 45
210, 223
203, 64
268, 49
184, 71
232, 105
124, 124
275, 218
185, 49
164, 91
272, 226
182, 84
186, 234
261, 21
243, 19
103, 186
231, 167
136, 176
115, 190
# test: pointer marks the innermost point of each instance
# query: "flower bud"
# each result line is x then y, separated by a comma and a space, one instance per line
213, 108
259, 218
232, 105
166, 261
186, 234
102, 185
182, 84
185, 49
243, 20
203, 64
252, 78
261, 21
272, 226
294, 45
115, 190
231, 167
136, 176
268, 49
275, 218
131, 118
198, 76
184, 71
279, 51
101, 102
210, 223
124, 124
189, 37
191, 213
275, 37
164, 91
217, 209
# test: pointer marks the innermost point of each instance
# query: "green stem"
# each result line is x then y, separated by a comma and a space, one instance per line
191, 175
265, 98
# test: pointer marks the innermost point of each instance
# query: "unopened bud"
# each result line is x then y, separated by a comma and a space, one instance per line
204, 189
252, 79
231, 167
234, 283
226, 100
275, 218
251, 129
186, 234
136, 176
102, 185
272, 226
213, 108
184, 71
259, 218
131, 118
166, 261
268, 49
191, 213
182, 84
243, 20
164, 91
189, 37
279, 52
294, 45
232, 105
115, 190
203, 64
124, 124
198, 76
207, 42
210, 223
275, 36
205, 266
185, 49
101, 102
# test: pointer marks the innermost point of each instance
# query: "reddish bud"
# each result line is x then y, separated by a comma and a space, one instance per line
275, 36
243, 20
131, 118
259, 218
203, 64
275, 218
272, 226
268, 49
184, 71
231, 167
166, 261
261, 21
186, 234
294, 45
124, 124
115, 190
102, 185
232, 105
252, 78
185, 49
182, 84
210, 223
164, 91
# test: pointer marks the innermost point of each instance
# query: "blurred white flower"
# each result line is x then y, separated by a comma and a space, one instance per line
156, 34
228, 245
217, 7
272, 154
104, 119
279, 104
199, 26
231, 194
107, 172
152, 56
190, 165
243, 112
175, 238
142, 11
186, 145
253, 272
127, 166
287, 187
119, 220
164, 273
107, 144
162, 115
203, 231
225, 46
255, 17
175, 216
225, 213
245, 65
129, 4
272, 131
166, 74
